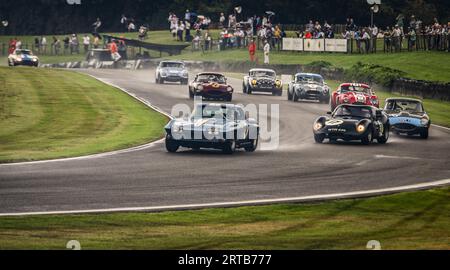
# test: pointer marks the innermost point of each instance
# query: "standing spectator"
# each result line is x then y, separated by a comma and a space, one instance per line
44, 45
173, 26
112, 46
180, 31
366, 40
188, 37
12, 45
222, 20
252, 50
75, 45
388, 39
208, 40
187, 16
124, 21
267, 53
131, 26
18, 44
97, 25
396, 37
374, 36
310, 27
37, 44
66, 42
412, 37
86, 43
56, 45
96, 41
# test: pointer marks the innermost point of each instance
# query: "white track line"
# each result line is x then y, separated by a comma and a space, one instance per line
314, 198
123, 151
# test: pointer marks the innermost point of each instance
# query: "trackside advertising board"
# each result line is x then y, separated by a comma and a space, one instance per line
315, 45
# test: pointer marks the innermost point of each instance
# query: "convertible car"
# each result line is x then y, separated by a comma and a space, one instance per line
309, 86
408, 116
354, 93
220, 126
353, 122
23, 58
171, 71
262, 80
211, 86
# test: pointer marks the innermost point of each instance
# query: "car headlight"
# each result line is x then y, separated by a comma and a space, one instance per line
318, 126
424, 121
185, 74
229, 89
178, 128
34, 60
200, 88
374, 101
278, 83
19, 59
360, 128
254, 82
214, 131
163, 74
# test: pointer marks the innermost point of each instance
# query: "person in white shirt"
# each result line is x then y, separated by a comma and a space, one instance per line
222, 20
86, 43
266, 53
44, 44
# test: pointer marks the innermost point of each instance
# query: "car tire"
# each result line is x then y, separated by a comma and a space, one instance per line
244, 88
185, 82
229, 147
289, 96
319, 138
191, 95
424, 134
171, 145
383, 139
366, 140
229, 98
249, 91
333, 141
295, 97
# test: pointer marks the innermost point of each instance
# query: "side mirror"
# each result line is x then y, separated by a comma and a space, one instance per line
247, 115
329, 113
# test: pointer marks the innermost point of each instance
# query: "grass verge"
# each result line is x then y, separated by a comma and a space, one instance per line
47, 114
415, 220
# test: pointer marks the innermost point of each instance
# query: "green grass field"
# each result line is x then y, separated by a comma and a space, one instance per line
416, 220
47, 114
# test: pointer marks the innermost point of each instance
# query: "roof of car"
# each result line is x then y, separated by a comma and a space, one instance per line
308, 74
174, 62
404, 99
220, 104
355, 84
357, 106
262, 69
211, 73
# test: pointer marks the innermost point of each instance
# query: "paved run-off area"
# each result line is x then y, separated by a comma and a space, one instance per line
46, 114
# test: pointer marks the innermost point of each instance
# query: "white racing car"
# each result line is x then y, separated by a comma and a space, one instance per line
23, 57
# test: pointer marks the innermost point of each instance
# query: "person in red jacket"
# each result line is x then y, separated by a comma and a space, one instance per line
252, 50
12, 46
114, 51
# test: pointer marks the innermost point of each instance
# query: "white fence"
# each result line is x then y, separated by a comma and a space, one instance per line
315, 45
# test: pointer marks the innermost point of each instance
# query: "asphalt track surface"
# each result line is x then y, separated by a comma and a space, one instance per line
151, 177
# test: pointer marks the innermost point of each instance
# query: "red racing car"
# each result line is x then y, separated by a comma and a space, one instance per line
354, 93
211, 86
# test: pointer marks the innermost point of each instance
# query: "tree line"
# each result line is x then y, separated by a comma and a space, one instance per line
58, 17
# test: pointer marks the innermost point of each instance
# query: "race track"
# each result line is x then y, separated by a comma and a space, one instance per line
152, 177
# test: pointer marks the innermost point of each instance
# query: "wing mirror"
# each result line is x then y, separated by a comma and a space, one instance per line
247, 115
329, 113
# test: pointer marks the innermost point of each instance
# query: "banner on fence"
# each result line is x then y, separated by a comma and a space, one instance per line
336, 45
314, 45
292, 44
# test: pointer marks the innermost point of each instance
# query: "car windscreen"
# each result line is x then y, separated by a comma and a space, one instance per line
404, 105
211, 78
355, 88
23, 52
309, 79
218, 112
347, 111
172, 65
263, 73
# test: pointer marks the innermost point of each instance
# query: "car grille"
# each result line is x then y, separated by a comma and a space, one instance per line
313, 92
405, 127
265, 83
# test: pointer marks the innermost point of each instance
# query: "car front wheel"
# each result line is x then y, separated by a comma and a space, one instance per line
424, 134
366, 140
171, 145
319, 138
383, 139
229, 147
